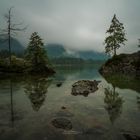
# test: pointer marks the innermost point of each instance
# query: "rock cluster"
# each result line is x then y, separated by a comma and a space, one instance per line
84, 87
123, 63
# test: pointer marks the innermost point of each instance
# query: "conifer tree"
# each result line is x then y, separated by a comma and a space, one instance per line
35, 52
116, 36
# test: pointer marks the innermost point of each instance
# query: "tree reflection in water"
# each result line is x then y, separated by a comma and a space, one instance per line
11, 100
113, 104
15, 113
36, 89
138, 102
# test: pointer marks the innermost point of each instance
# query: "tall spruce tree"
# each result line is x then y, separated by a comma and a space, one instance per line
116, 36
35, 52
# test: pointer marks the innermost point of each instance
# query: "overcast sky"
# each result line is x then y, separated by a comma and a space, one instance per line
77, 24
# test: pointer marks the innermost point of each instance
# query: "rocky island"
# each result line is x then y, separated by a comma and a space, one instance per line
34, 60
128, 64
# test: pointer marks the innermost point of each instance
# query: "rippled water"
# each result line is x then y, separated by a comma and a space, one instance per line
30, 105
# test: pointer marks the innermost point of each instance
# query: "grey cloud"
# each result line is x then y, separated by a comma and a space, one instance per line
78, 24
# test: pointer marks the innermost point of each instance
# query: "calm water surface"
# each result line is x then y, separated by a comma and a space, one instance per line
28, 106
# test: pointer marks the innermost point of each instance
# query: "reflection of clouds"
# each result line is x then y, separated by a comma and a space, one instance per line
83, 74
72, 77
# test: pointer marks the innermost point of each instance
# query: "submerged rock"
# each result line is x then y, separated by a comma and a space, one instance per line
59, 84
84, 87
63, 107
131, 136
62, 123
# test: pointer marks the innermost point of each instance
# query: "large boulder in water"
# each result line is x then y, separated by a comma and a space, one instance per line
84, 87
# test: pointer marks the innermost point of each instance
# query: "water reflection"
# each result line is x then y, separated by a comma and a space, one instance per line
10, 107
85, 114
113, 104
11, 100
138, 102
36, 89
124, 82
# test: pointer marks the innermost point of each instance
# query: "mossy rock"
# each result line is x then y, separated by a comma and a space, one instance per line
123, 63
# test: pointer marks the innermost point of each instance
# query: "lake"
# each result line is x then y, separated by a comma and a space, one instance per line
43, 108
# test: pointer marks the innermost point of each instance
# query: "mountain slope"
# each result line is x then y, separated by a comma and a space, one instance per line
92, 55
16, 46
54, 51
57, 51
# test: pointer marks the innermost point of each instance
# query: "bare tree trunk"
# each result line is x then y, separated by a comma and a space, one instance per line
9, 35
10, 30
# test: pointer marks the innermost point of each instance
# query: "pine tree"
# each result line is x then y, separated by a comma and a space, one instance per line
35, 52
116, 36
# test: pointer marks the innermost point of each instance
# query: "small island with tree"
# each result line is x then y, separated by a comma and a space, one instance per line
123, 63
34, 60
